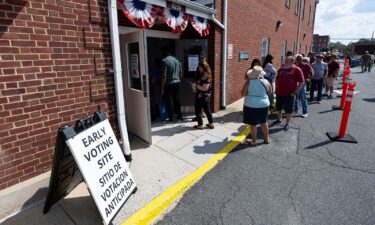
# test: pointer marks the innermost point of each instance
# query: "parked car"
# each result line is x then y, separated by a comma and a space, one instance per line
355, 62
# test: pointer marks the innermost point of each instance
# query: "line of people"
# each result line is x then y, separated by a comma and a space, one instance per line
290, 84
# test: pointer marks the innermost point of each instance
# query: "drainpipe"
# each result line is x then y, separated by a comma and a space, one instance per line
299, 29
112, 9
224, 55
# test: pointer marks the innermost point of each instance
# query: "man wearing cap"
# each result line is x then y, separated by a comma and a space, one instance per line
320, 72
366, 62
289, 81
333, 72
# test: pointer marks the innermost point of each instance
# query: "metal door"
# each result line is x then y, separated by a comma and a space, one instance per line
136, 84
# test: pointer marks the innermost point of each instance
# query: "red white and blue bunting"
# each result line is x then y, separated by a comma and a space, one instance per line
176, 20
200, 24
140, 13
144, 16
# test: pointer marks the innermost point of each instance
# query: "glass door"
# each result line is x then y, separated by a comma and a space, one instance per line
136, 84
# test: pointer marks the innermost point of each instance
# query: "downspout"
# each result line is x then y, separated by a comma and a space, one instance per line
115, 42
299, 29
224, 55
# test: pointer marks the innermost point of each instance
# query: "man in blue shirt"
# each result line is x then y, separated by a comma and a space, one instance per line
320, 72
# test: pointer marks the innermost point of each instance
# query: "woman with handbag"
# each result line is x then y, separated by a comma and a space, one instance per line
256, 103
202, 98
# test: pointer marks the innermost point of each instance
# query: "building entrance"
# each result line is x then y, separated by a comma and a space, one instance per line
142, 55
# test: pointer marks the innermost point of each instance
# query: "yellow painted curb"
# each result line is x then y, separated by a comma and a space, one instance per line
158, 205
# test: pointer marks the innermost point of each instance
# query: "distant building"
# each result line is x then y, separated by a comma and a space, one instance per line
320, 42
360, 48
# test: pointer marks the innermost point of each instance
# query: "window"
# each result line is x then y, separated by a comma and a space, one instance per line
302, 9
308, 22
296, 8
283, 51
287, 3
265, 48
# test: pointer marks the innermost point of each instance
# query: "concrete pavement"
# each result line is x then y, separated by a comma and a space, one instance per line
300, 178
177, 150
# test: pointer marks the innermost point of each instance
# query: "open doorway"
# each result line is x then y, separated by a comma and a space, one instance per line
187, 52
142, 54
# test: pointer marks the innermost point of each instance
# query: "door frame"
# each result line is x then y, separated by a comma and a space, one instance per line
146, 33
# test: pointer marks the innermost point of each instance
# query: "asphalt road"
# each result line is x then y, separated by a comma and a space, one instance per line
300, 178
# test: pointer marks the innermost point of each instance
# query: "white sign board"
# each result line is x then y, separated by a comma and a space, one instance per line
230, 51
134, 66
103, 166
193, 61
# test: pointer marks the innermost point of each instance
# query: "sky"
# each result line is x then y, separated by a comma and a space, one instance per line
345, 19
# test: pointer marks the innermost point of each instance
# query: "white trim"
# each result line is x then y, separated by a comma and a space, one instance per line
119, 89
192, 8
150, 33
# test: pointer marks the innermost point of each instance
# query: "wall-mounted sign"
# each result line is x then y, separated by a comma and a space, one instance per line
134, 65
103, 166
193, 61
230, 51
244, 56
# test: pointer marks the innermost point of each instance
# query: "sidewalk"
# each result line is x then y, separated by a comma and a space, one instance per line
177, 150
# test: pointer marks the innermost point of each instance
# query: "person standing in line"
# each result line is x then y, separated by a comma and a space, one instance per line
289, 81
170, 84
203, 67
312, 57
366, 62
308, 83
255, 111
202, 99
320, 73
255, 62
333, 72
307, 73
270, 71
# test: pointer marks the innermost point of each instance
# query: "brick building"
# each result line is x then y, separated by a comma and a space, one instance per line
56, 64
360, 48
320, 42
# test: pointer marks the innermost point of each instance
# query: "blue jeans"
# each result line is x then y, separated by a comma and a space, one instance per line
302, 95
313, 85
163, 110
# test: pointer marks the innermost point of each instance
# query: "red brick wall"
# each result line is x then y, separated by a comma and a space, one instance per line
54, 61
251, 20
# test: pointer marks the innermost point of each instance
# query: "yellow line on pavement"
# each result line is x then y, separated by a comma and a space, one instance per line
158, 205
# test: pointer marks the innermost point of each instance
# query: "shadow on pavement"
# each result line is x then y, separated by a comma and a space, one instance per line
319, 145
369, 99
327, 111
210, 147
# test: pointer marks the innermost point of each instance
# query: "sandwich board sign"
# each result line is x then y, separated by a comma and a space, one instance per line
90, 152
103, 167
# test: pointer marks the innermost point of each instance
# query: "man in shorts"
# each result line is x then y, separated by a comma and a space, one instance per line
289, 81
333, 72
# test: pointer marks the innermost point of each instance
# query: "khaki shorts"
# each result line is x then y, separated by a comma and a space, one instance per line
329, 81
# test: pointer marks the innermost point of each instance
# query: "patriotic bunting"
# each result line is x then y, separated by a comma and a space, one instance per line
144, 15
176, 20
200, 24
140, 13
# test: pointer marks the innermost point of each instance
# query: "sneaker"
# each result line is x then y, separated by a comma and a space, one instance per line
324, 95
305, 115
286, 127
319, 102
275, 122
